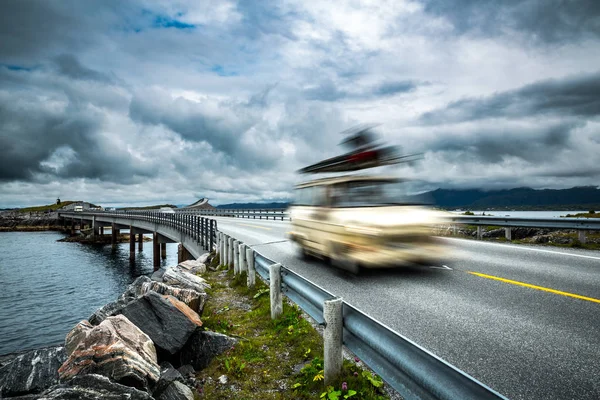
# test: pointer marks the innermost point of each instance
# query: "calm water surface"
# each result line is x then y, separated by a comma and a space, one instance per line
46, 286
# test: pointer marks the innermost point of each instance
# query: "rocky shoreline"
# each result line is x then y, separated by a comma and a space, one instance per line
147, 344
29, 221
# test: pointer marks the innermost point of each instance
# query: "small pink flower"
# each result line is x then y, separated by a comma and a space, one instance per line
344, 386
356, 359
355, 374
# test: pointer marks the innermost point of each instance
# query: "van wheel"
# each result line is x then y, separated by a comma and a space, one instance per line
340, 260
300, 251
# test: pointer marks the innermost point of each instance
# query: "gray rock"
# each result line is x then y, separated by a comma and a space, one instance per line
494, 233
116, 349
76, 335
192, 266
93, 387
186, 370
177, 391
178, 277
168, 375
193, 299
203, 346
113, 308
31, 372
203, 259
158, 275
166, 320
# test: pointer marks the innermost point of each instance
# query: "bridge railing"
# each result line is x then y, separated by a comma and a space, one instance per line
267, 213
201, 229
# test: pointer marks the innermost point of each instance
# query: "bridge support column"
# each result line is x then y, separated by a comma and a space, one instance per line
163, 251
183, 254
72, 227
508, 233
95, 230
479, 232
131, 244
114, 235
140, 241
155, 251
581, 236
102, 231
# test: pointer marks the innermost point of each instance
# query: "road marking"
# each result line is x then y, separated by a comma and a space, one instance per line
513, 246
576, 296
442, 267
255, 226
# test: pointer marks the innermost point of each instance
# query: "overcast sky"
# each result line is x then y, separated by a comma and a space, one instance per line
146, 102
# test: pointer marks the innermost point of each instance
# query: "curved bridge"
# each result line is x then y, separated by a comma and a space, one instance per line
196, 234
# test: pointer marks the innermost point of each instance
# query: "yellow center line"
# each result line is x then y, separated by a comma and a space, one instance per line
576, 296
255, 226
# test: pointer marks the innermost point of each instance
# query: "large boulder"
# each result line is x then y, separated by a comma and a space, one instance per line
203, 346
176, 391
133, 292
203, 259
192, 266
32, 371
93, 387
168, 375
116, 349
158, 275
178, 277
166, 320
193, 299
76, 335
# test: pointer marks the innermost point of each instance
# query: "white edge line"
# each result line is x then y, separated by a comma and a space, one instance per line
515, 246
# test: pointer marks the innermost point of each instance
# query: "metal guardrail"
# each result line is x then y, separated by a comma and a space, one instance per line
411, 370
508, 222
270, 213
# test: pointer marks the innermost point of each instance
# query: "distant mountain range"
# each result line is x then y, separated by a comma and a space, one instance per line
577, 198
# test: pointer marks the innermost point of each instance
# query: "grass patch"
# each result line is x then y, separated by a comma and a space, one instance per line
49, 207
274, 359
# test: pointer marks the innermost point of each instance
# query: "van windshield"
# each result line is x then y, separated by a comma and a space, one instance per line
371, 193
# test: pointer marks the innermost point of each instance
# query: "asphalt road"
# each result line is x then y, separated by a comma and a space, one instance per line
540, 342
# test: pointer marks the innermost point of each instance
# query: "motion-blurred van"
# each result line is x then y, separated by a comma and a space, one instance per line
364, 221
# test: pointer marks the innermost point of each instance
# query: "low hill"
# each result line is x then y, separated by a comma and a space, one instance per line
49, 207
576, 198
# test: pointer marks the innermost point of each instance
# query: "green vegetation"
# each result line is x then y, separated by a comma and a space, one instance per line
468, 213
279, 359
49, 207
590, 214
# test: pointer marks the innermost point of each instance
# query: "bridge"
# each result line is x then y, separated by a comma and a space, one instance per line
194, 233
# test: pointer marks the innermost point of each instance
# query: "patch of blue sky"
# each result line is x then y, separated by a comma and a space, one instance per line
15, 67
165, 22
221, 71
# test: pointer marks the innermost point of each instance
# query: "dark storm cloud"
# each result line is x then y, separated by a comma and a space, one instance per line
41, 123
491, 144
329, 91
70, 66
547, 21
576, 96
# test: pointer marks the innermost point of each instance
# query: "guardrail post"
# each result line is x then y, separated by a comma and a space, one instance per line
236, 256
242, 258
332, 338
479, 232
508, 233
275, 290
581, 236
225, 250
230, 252
251, 279
211, 232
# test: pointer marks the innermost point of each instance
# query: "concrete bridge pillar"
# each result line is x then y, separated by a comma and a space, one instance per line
183, 254
140, 241
163, 251
95, 230
114, 235
155, 251
101, 231
131, 243
508, 233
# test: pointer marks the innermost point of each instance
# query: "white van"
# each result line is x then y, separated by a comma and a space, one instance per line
78, 208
